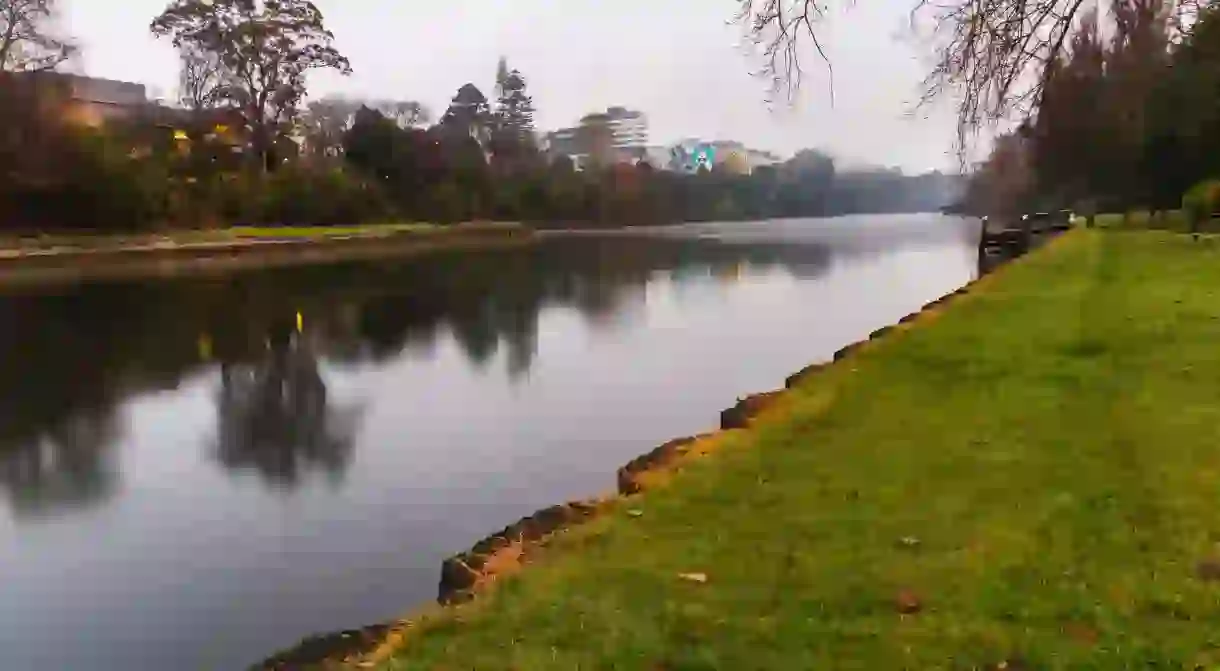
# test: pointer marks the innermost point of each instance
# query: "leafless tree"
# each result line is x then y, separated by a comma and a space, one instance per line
324, 123
405, 113
26, 41
775, 28
992, 56
201, 79
326, 120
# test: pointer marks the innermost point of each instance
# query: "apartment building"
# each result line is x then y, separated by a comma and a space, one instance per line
617, 135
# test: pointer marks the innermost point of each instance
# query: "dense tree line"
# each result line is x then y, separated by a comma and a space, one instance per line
283, 160
1129, 118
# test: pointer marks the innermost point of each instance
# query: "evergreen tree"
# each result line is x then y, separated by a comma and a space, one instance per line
514, 116
468, 114
501, 76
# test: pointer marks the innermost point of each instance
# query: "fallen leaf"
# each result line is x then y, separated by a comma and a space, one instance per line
1208, 570
907, 602
694, 577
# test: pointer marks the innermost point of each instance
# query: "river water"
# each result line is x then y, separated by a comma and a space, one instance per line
195, 473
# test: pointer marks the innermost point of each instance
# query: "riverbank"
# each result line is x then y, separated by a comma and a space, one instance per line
1025, 480
68, 258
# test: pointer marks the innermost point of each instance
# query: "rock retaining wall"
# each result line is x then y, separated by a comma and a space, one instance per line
465, 573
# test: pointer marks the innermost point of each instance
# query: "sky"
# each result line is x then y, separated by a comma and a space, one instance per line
681, 62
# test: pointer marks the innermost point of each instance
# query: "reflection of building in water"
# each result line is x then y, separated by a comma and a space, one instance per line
274, 416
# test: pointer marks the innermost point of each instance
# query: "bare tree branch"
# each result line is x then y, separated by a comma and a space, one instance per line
201, 79
26, 43
993, 57
775, 28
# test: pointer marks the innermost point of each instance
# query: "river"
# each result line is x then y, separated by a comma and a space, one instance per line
195, 473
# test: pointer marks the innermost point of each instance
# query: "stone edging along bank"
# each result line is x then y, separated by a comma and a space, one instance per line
467, 573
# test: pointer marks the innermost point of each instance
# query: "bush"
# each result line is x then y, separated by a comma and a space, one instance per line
318, 197
1201, 202
97, 186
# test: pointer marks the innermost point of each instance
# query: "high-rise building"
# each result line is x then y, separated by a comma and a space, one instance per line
629, 128
618, 135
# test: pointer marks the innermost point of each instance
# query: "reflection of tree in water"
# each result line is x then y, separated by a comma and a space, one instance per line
274, 417
67, 465
72, 358
58, 390
490, 301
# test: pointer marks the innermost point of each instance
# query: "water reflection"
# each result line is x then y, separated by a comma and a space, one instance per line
272, 454
57, 421
274, 417
72, 358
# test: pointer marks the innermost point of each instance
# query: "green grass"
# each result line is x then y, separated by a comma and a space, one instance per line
1170, 220
1052, 440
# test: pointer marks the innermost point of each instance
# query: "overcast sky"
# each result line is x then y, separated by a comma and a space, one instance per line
676, 60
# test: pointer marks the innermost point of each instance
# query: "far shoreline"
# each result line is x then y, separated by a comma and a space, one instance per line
225, 251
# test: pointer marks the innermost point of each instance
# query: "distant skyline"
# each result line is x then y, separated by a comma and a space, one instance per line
678, 61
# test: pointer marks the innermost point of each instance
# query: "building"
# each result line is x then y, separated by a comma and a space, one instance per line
618, 135
692, 155
628, 128
90, 101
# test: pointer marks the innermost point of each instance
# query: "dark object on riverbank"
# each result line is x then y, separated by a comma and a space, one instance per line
739, 416
1208, 570
628, 475
795, 378
908, 602
315, 649
462, 573
1001, 241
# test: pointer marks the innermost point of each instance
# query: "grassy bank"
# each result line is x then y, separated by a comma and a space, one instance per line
1027, 479
67, 259
85, 242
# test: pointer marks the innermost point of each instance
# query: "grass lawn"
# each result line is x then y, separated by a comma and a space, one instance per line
1032, 474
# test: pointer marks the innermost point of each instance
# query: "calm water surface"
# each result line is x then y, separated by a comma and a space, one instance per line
192, 477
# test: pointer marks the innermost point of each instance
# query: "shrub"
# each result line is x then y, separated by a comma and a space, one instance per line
321, 197
1201, 202
97, 185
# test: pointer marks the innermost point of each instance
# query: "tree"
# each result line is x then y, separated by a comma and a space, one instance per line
1069, 134
266, 47
26, 44
1004, 181
1138, 58
513, 135
407, 162
596, 138
325, 123
515, 110
992, 56
501, 76
405, 113
201, 79
1183, 146
468, 114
